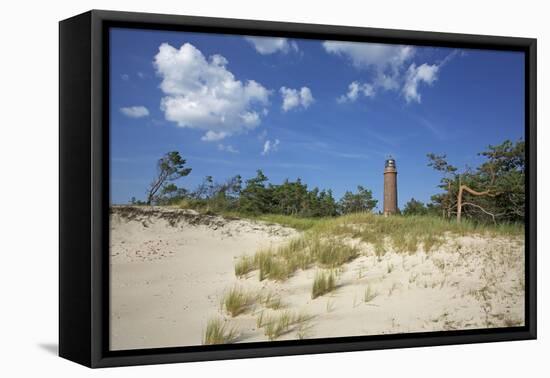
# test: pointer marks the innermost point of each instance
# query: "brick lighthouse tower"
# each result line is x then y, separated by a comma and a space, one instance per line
390, 187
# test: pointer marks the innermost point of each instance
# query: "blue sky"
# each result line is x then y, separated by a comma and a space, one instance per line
325, 111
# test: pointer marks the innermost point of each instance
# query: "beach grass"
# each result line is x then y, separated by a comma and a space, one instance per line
369, 295
237, 301
276, 325
218, 332
323, 283
244, 265
332, 242
271, 301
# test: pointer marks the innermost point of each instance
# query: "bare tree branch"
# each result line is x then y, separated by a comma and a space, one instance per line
480, 208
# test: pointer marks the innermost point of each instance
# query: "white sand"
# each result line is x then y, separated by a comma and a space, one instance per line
169, 270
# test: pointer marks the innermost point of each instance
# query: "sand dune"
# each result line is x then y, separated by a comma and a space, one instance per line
170, 268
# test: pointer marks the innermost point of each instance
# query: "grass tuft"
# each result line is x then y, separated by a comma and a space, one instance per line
217, 332
272, 301
331, 253
271, 266
236, 301
324, 282
244, 265
370, 294
277, 325
300, 253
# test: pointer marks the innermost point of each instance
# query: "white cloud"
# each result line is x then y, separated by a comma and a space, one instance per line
355, 89
203, 94
385, 61
135, 111
212, 136
227, 148
125, 77
388, 81
271, 45
388, 66
293, 98
270, 146
425, 73
306, 97
365, 55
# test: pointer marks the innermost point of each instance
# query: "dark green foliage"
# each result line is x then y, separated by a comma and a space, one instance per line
294, 198
256, 197
361, 201
504, 173
414, 207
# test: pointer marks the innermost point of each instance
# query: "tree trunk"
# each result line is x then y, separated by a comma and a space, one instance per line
449, 202
459, 204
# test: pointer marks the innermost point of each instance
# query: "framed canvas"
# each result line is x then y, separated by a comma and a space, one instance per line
235, 188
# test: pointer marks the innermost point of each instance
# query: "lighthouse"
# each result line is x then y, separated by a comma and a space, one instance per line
390, 187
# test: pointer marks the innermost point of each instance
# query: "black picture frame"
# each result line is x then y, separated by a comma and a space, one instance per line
84, 188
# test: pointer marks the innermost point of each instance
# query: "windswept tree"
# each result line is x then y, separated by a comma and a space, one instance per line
169, 168
361, 201
494, 190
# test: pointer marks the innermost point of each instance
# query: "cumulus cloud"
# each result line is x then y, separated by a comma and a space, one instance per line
270, 146
203, 94
293, 98
271, 45
355, 89
425, 73
386, 62
391, 68
135, 111
227, 148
